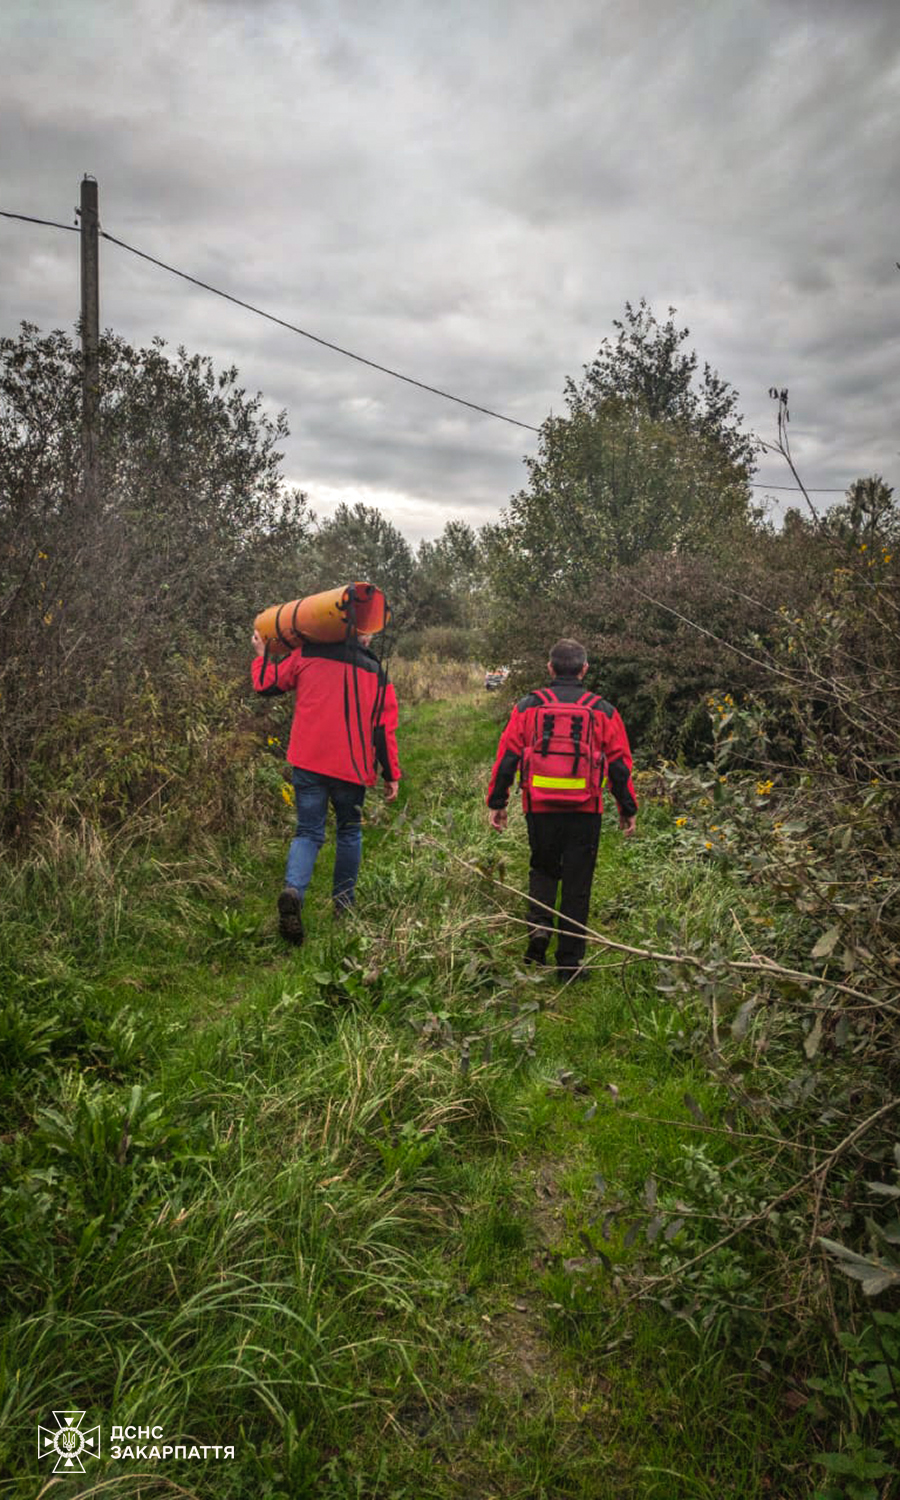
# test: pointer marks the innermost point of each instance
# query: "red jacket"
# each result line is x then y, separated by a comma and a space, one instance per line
518, 733
345, 711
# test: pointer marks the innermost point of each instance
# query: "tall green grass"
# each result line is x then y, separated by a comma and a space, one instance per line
341, 1207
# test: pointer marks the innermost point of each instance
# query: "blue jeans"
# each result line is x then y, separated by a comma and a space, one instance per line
313, 793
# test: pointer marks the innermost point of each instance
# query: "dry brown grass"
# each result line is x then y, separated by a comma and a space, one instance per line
431, 677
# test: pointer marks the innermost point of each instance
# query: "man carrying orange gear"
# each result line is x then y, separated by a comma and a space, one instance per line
345, 723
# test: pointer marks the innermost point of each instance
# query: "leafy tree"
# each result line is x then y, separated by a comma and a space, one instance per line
449, 577
192, 532
869, 515
647, 367
191, 519
605, 488
357, 542
644, 464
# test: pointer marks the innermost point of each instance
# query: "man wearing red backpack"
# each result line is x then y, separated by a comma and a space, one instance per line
562, 741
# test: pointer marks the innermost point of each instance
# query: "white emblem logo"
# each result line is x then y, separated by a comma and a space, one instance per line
68, 1442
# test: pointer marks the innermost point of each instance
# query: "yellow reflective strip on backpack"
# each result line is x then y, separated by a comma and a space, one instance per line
561, 783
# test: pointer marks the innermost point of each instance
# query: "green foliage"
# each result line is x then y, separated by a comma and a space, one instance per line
869, 516
439, 586
191, 530
879, 1271
609, 485
641, 464
646, 366
358, 542
636, 513
796, 810
864, 1399
291, 1197
442, 642
449, 579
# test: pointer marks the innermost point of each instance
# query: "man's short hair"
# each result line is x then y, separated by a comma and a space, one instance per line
567, 658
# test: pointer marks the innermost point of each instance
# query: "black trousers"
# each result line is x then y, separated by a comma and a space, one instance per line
563, 852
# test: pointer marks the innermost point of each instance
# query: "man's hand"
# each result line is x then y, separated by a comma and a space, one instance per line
259, 645
391, 788
499, 818
627, 823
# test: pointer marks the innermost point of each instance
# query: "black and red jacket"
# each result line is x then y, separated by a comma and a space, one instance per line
345, 710
609, 729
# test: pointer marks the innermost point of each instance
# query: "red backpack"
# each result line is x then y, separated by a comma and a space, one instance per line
562, 767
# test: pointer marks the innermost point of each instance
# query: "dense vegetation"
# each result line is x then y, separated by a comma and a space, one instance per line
390, 1215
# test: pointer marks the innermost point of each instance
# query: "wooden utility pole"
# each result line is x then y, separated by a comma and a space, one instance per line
90, 343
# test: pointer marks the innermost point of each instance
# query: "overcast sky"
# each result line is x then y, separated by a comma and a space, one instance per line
469, 193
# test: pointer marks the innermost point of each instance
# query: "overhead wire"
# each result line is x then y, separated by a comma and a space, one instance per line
30, 219
349, 353
326, 343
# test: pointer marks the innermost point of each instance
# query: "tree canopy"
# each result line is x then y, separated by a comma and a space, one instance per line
449, 577
358, 542
191, 532
643, 462
647, 367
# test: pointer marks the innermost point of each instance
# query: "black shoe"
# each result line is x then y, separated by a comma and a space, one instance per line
536, 956
572, 976
290, 925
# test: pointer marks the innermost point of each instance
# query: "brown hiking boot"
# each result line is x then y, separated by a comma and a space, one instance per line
290, 925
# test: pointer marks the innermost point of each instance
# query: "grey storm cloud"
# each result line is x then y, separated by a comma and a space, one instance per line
469, 195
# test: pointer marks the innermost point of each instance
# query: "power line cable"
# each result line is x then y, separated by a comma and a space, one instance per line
28, 219
304, 333
282, 322
348, 353
795, 489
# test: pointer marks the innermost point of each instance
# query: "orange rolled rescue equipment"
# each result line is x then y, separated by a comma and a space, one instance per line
357, 609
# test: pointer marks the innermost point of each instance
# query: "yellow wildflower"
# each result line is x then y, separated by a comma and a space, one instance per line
707, 845
680, 822
763, 788
273, 740
287, 793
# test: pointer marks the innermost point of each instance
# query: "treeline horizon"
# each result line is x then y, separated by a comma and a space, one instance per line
754, 931
636, 531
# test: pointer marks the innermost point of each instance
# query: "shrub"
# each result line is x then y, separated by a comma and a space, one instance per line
442, 643
427, 679
191, 532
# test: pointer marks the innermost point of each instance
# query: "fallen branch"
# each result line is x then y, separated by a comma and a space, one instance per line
821, 1171
759, 965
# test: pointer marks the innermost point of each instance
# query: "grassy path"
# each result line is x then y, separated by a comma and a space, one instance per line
356, 1210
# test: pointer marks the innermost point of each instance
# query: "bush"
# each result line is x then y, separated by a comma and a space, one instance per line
428, 679
658, 633
441, 643
190, 535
